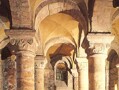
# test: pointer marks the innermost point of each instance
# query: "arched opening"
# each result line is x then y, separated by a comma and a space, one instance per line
59, 36
61, 73
59, 67
113, 72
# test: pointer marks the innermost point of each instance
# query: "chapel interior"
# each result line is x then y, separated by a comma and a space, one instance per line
59, 44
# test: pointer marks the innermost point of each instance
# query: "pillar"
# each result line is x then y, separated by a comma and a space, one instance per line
83, 73
97, 55
25, 46
107, 75
40, 63
75, 79
1, 74
117, 66
97, 71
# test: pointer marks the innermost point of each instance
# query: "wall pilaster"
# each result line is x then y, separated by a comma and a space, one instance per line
40, 63
83, 80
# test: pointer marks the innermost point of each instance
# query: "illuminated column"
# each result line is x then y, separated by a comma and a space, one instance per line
83, 73
26, 48
40, 63
118, 76
1, 74
75, 78
97, 55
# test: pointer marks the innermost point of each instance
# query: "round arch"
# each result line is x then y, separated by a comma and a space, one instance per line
115, 22
57, 40
111, 70
46, 8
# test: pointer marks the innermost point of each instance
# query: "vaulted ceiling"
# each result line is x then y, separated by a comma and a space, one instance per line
54, 19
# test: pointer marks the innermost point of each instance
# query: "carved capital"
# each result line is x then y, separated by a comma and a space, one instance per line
40, 62
82, 64
98, 48
99, 43
23, 39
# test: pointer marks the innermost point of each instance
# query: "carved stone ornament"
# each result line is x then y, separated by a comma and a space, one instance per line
40, 62
97, 48
24, 39
82, 64
99, 43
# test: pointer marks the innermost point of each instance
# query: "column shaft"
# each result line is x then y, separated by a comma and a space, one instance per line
118, 80
97, 72
40, 63
75, 83
1, 76
25, 71
75, 79
118, 76
39, 79
83, 74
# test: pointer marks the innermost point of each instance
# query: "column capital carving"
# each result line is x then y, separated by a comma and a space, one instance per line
82, 64
99, 43
24, 39
40, 61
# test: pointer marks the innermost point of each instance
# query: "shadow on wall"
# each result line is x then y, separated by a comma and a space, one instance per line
5, 53
90, 12
113, 59
5, 10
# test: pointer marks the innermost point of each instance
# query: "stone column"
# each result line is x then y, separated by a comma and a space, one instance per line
97, 54
118, 76
107, 75
26, 48
40, 63
75, 79
1, 74
97, 71
83, 73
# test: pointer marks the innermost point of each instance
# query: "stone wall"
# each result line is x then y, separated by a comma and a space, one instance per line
9, 74
49, 79
113, 78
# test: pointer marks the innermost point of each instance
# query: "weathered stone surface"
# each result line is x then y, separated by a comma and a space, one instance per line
100, 23
40, 63
9, 74
21, 15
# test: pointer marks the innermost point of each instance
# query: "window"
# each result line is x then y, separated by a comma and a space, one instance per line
61, 72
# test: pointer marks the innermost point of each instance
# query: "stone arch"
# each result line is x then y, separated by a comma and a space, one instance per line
64, 59
115, 22
57, 40
69, 7
4, 24
66, 62
111, 70
114, 46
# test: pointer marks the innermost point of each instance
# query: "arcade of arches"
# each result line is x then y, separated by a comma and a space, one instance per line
59, 45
